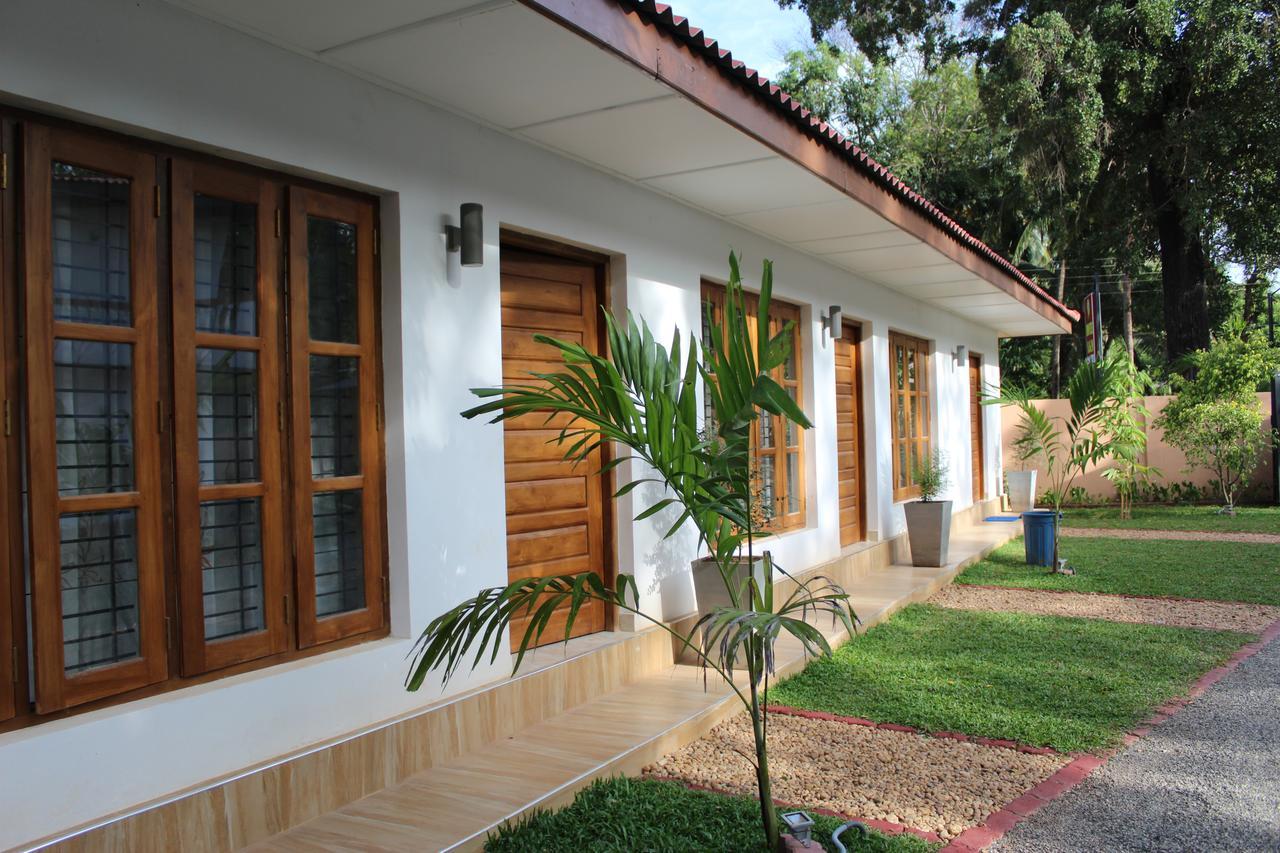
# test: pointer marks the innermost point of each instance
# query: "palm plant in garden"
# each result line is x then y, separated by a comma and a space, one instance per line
1101, 422
642, 397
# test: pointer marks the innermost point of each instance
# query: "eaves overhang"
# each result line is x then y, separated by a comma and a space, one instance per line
652, 37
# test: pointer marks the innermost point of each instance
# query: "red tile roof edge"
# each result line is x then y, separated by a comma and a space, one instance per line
661, 15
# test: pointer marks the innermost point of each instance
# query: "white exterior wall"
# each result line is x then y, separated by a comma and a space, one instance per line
154, 70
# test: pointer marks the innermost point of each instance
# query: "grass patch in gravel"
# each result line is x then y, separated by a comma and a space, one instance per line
1218, 571
1071, 684
1248, 519
623, 814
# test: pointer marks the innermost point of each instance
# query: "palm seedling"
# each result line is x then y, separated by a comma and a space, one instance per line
642, 399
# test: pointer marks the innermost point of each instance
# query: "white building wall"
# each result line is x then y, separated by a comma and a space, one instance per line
154, 70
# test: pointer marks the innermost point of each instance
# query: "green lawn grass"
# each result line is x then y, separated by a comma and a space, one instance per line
1248, 519
1071, 684
622, 814
1221, 571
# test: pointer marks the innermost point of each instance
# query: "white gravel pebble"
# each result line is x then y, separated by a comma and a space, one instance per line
928, 783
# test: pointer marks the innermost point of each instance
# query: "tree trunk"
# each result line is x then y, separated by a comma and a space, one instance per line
1252, 300
1055, 360
1182, 270
768, 813
1126, 302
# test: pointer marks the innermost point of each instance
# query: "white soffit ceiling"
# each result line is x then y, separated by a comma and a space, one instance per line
504, 65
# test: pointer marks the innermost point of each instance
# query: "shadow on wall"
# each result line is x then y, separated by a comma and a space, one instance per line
667, 562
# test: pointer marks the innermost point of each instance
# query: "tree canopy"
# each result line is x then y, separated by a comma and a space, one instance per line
1146, 133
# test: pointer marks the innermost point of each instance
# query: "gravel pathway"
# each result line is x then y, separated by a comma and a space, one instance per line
1183, 535
1213, 615
1206, 779
928, 783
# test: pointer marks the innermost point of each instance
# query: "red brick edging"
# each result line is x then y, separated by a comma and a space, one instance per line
999, 822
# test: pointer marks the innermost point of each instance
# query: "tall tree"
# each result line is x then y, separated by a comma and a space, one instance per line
1189, 105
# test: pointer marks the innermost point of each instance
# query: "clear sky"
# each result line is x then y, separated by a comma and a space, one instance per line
757, 31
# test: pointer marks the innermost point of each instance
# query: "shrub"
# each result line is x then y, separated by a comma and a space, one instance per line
931, 475
1224, 436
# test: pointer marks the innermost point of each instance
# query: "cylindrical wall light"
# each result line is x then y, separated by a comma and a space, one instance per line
469, 239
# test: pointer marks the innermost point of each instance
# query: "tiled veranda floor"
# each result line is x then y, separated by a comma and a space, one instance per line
452, 806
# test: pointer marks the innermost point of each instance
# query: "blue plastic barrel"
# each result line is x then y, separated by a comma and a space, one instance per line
1037, 534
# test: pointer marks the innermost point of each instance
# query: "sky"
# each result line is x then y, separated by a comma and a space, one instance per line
757, 31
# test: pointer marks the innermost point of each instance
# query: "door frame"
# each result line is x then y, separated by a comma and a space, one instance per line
979, 475
509, 238
859, 422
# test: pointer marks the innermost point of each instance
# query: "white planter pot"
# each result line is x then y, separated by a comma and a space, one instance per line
708, 585
710, 593
1022, 490
929, 531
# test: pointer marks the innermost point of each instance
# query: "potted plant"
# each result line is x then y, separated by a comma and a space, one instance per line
642, 397
1022, 482
929, 519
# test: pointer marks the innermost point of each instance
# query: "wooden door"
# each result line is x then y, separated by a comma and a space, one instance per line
975, 427
849, 435
555, 510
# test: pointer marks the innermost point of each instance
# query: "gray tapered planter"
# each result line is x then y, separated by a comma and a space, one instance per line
929, 531
710, 593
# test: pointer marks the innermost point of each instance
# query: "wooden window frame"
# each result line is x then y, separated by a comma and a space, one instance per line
32, 687
11, 623
56, 690
917, 444
187, 179
312, 630
780, 313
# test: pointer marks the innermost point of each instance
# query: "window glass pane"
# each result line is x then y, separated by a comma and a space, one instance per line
339, 552
911, 369
904, 473
335, 407
899, 416
90, 246
331, 277
227, 415
766, 430
793, 482
226, 258
914, 420
791, 429
768, 487
789, 366
231, 567
99, 573
92, 384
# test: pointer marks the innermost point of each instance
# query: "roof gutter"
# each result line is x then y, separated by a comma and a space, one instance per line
663, 45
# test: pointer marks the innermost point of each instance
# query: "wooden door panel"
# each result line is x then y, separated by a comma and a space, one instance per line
551, 543
849, 436
530, 522
555, 509
552, 322
975, 428
541, 294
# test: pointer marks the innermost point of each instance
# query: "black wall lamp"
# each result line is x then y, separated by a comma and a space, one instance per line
468, 239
